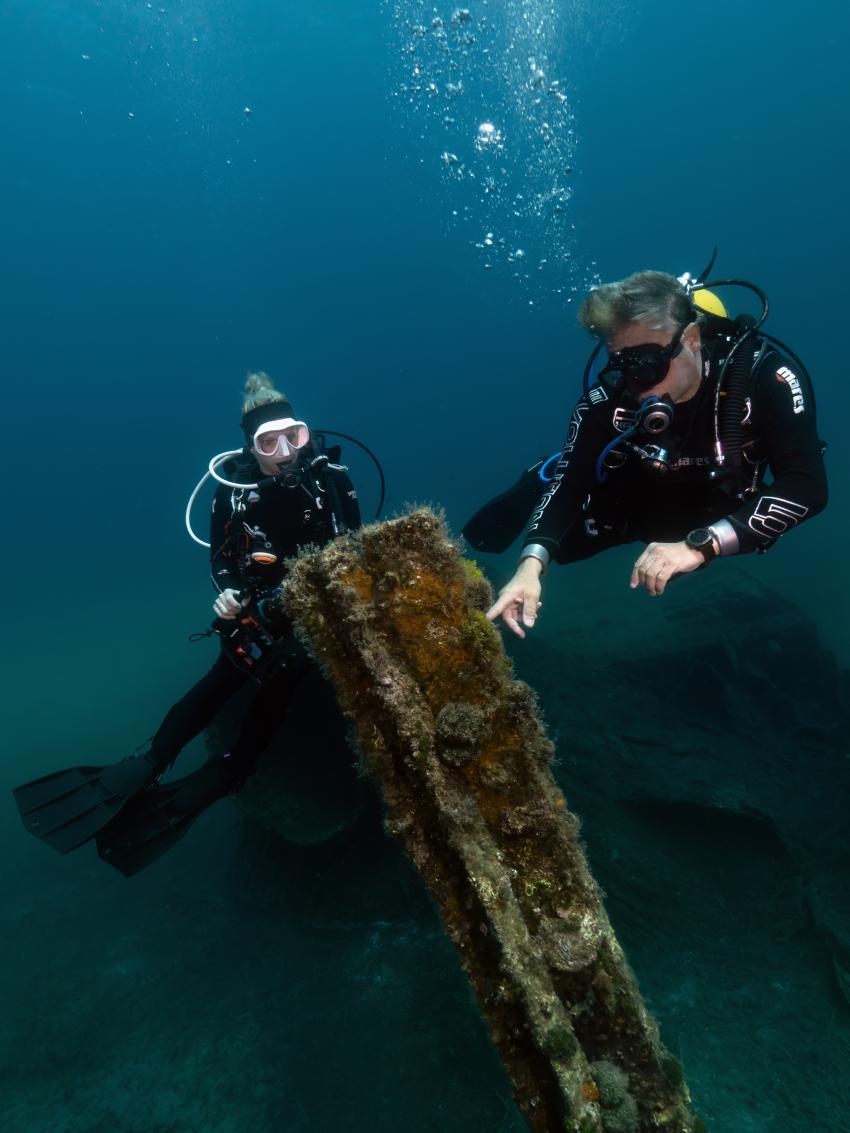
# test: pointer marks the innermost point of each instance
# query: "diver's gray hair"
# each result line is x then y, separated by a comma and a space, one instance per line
259, 390
653, 298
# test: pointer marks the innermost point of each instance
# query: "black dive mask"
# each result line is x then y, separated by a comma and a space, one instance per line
639, 368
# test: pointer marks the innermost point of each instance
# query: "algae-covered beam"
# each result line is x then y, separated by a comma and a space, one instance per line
396, 618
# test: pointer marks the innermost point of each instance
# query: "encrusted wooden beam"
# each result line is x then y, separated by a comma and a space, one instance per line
396, 618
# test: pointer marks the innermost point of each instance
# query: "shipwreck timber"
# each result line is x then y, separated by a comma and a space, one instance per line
396, 618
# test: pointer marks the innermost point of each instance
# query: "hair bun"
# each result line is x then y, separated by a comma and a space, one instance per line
258, 381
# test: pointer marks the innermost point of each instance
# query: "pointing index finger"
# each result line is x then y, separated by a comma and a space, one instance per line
498, 606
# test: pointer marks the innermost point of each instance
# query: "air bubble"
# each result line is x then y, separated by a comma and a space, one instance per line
486, 95
488, 138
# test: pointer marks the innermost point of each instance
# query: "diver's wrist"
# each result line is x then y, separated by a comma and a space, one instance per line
725, 538
536, 553
703, 543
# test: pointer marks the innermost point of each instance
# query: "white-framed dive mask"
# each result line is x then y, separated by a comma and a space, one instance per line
278, 440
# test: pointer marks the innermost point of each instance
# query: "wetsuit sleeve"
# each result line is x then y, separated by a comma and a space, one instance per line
559, 507
220, 567
785, 425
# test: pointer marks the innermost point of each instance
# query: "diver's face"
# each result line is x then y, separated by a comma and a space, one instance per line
683, 377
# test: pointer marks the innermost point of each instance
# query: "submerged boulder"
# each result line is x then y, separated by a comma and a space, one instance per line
395, 617
724, 701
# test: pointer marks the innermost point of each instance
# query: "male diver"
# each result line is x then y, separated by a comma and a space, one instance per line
275, 496
669, 446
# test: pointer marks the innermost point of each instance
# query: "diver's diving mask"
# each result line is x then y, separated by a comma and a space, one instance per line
278, 440
641, 367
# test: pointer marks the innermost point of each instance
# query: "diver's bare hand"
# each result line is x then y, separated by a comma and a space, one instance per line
227, 604
662, 561
519, 598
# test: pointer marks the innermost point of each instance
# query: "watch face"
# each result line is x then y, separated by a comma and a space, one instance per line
699, 538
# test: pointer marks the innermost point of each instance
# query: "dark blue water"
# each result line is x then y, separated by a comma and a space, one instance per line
192, 190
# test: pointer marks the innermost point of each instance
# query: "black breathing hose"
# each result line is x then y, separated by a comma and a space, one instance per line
733, 381
736, 383
383, 483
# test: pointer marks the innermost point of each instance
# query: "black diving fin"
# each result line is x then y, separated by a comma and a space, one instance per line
498, 523
157, 818
67, 808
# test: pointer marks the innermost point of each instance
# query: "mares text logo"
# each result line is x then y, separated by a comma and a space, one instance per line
793, 383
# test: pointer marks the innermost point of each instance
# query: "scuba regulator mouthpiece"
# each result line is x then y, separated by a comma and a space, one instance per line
655, 415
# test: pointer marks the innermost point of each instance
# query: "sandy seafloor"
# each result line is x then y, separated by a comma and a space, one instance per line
242, 985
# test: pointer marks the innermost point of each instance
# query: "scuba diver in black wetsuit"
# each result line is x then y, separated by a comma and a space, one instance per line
669, 447
275, 496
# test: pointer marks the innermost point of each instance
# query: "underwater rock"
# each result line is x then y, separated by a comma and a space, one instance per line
394, 615
825, 886
729, 704
460, 729
619, 1110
